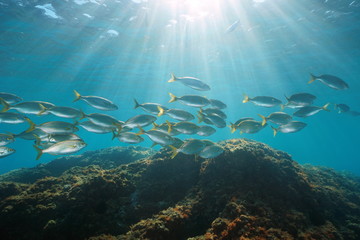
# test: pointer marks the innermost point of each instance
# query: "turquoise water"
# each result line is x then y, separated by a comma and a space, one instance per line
126, 49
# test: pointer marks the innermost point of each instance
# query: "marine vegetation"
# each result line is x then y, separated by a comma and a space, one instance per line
251, 191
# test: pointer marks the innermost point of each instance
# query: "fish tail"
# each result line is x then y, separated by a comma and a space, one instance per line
263, 119
174, 151
232, 127
141, 131
39, 152
136, 104
155, 126
173, 78
153, 145
37, 140
173, 98
275, 130
77, 96
115, 134
31, 123
246, 98
312, 78
170, 127
43, 109
200, 117
161, 111
118, 126
325, 107
5, 105
83, 115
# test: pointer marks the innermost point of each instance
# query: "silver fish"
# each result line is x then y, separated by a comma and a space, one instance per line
213, 119
53, 127
177, 114
64, 112
342, 108
263, 101
10, 98
5, 139
158, 137
141, 120
330, 81
217, 104
92, 127
190, 100
96, 102
212, 111
104, 120
183, 127
129, 137
310, 110
191, 82
36, 133
152, 108
12, 118
190, 146
34, 107
6, 151
54, 138
62, 148
301, 99
250, 126
234, 126
164, 127
211, 151
291, 127
279, 118
205, 131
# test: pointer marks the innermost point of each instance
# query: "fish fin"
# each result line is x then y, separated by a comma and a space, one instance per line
5, 105
174, 151
232, 127
115, 134
288, 99
31, 123
37, 140
77, 96
161, 111
282, 107
136, 104
118, 126
155, 126
275, 130
153, 145
43, 109
173, 98
312, 78
246, 98
142, 131
173, 78
169, 126
325, 107
263, 119
39, 152
83, 115
200, 117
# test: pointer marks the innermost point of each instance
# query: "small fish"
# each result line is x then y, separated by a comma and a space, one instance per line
12, 118
61, 148
164, 127
64, 112
10, 98
54, 138
208, 142
190, 146
279, 118
141, 120
191, 82
234, 126
191, 100
213, 119
5, 139
291, 127
158, 137
301, 99
217, 104
104, 120
232, 27
211, 151
92, 127
212, 111
250, 126
205, 131
330, 81
129, 137
188, 128
177, 114
354, 113
53, 127
34, 107
6, 151
96, 102
152, 108
36, 133
342, 108
263, 101
310, 110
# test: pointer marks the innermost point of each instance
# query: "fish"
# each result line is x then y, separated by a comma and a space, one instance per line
129, 137
34, 107
141, 120
217, 104
330, 81
250, 126
279, 118
342, 108
191, 82
54, 138
158, 137
6, 151
213, 120
354, 113
232, 27
105, 120
96, 102
10, 98
290, 127
263, 101
12, 118
152, 108
212, 111
36, 133
205, 131
5, 139
190, 100
64, 112
190, 146
208, 142
177, 114
301, 99
211, 151
188, 128
234, 126
308, 111
92, 127
164, 127
53, 127
61, 148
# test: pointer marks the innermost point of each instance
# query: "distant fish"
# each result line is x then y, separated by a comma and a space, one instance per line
310, 110
250, 126
263, 101
190, 146
96, 102
5, 139
184, 127
53, 127
64, 112
211, 151
141, 120
152, 108
301, 99
217, 104
10, 98
129, 137
177, 114
232, 27
191, 100
12, 118
279, 118
6, 151
191, 82
92, 127
291, 127
61, 148
342, 108
205, 131
330, 81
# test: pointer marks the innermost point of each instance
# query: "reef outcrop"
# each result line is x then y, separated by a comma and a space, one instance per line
251, 191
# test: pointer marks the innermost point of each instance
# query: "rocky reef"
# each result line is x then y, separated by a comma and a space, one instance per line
251, 191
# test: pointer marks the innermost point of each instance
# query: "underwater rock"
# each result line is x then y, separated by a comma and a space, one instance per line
251, 191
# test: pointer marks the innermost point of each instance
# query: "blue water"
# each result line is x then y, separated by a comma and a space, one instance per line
127, 49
